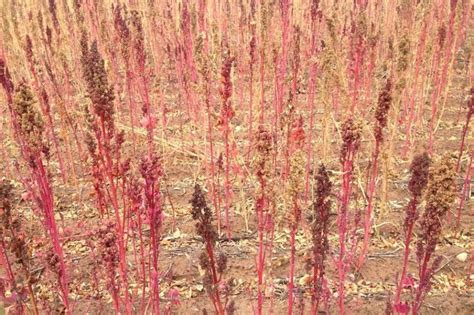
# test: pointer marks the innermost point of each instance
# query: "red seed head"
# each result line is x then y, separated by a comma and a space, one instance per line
320, 223
203, 215
98, 88
315, 10
5, 78
29, 48
350, 138
122, 30
419, 169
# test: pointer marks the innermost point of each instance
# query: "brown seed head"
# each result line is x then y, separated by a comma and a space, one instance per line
320, 221
53, 10
383, 106
107, 244
441, 194
5, 195
221, 262
441, 35
203, 215
52, 260
297, 173
122, 30
403, 53
29, 48
264, 152
29, 120
351, 134
314, 10
5, 78
98, 88
419, 169
227, 112
442, 185
138, 39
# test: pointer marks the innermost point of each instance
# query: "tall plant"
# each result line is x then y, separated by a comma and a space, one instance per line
441, 193
29, 130
381, 113
227, 113
105, 145
351, 141
214, 265
419, 178
264, 151
320, 210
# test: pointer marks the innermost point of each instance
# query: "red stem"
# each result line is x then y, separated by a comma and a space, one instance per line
408, 236
292, 268
215, 280
343, 262
465, 189
370, 198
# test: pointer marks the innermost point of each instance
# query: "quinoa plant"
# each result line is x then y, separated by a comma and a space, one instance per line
106, 246
29, 130
292, 101
441, 41
150, 169
108, 145
123, 37
205, 70
419, 178
441, 193
143, 73
136, 217
469, 114
214, 265
187, 73
264, 150
252, 61
465, 188
45, 106
319, 218
281, 64
447, 54
7, 85
9, 282
227, 113
357, 50
351, 141
415, 89
14, 240
263, 43
381, 113
313, 68
296, 186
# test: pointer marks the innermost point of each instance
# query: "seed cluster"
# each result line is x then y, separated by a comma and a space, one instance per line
29, 119
440, 196
383, 106
10, 228
319, 228
5, 78
123, 31
227, 112
95, 76
264, 149
351, 135
419, 169
202, 214
106, 239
